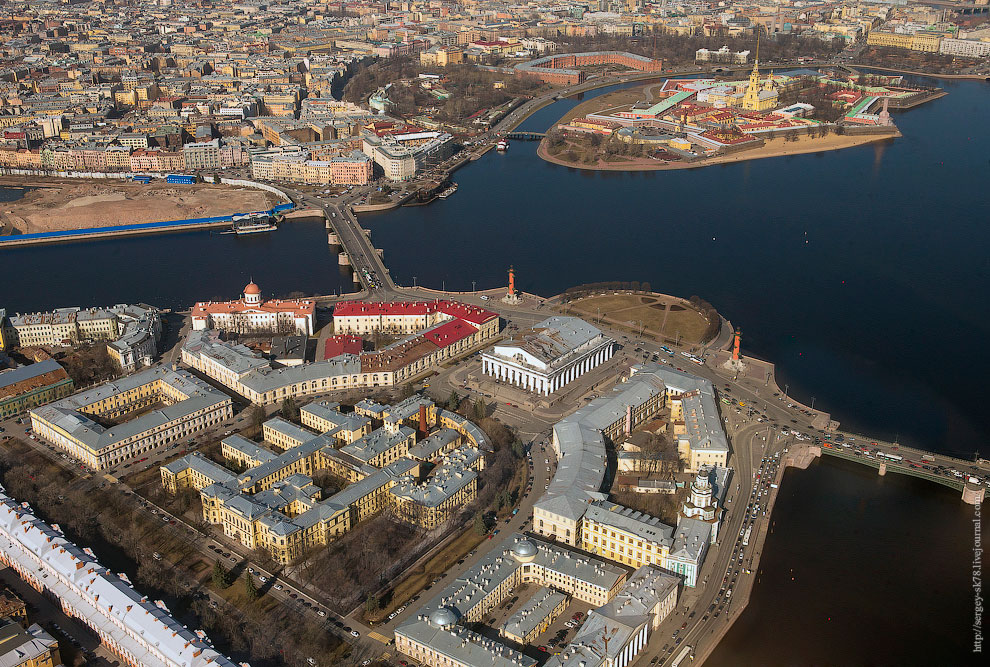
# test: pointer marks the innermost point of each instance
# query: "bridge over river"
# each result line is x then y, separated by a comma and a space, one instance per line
526, 136
972, 493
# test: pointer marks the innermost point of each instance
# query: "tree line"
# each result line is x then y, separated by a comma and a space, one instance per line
471, 89
108, 521
589, 289
680, 49
708, 310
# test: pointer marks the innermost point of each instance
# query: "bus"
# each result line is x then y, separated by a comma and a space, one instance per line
889, 457
749, 531
682, 656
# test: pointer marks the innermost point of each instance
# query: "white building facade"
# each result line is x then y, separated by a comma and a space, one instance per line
558, 351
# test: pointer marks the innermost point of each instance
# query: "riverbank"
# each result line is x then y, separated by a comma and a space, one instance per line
777, 147
962, 77
59, 206
92, 233
798, 456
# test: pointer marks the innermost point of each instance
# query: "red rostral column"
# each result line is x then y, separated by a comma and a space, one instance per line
512, 280
735, 346
422, 419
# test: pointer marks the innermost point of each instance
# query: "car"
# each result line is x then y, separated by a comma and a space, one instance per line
263, 580
278, 587
355, 633
321, 612
232, 559
293, 596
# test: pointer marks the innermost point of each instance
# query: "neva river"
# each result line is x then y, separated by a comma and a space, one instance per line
862, 273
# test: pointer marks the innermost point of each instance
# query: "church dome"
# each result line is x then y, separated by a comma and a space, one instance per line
443, 617
251, 288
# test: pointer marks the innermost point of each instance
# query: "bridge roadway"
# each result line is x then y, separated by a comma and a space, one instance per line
893, 466
360, 251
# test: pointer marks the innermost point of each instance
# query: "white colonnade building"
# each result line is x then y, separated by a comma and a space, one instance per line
556, 352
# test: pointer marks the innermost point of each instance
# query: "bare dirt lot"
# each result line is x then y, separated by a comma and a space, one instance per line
62, 206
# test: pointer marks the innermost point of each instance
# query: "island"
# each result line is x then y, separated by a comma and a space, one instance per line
698, 122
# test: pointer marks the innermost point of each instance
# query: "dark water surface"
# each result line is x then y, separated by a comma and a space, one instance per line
881, 575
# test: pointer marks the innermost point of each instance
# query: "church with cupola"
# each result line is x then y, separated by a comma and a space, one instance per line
702, 503
253, 315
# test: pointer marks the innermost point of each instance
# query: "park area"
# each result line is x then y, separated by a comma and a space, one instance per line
664, 317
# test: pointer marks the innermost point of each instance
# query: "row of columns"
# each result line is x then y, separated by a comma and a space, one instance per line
632, 648
539, 383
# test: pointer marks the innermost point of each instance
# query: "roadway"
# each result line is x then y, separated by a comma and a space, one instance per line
540, 458
367, 264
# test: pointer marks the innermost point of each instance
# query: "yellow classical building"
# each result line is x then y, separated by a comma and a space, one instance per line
760, 96
920, 41
274, 505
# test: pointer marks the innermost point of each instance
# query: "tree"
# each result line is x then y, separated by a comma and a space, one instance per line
454, 401
480, 411
289, 408
503, 499
257, 415
479, 524
372, 604
518, 449
221, 576
250, 590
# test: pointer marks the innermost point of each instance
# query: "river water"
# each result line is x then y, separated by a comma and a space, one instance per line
859, 570
862, 273
859, 272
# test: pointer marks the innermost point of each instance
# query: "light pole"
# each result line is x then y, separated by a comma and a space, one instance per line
473, 283
786, 387
414, 281
812, 402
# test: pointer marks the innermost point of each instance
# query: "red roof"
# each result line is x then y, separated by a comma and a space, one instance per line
449, 333
338, 345
366, 308
299, 308
473, 314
